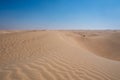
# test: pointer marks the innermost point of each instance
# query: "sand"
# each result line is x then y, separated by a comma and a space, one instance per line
60, 55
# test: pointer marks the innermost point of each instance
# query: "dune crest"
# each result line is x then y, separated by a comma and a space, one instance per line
52, 55
103, 43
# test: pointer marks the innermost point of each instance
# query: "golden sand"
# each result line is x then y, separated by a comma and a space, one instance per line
59, 55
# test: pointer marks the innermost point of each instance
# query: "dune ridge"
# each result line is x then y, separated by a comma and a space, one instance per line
52, 55
102, 43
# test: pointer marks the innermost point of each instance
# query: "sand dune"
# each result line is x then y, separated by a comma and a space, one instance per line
59, 55
103, 43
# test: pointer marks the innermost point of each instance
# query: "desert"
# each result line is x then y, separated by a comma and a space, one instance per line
60, 55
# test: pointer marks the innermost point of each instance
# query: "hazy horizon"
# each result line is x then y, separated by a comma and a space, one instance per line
59, 14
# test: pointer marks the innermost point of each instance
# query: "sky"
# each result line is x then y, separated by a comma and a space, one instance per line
59, 14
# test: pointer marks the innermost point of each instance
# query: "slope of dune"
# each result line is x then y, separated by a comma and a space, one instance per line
103, 43
53, 55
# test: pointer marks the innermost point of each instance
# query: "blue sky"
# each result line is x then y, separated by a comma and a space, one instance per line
59, 14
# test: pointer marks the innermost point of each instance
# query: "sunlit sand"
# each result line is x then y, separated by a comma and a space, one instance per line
60, 55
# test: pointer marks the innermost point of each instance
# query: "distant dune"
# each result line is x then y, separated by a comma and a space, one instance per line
103, 43
59, 55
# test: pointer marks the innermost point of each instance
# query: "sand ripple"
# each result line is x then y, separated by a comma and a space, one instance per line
51, 55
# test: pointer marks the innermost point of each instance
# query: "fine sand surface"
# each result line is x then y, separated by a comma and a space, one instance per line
60, 55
